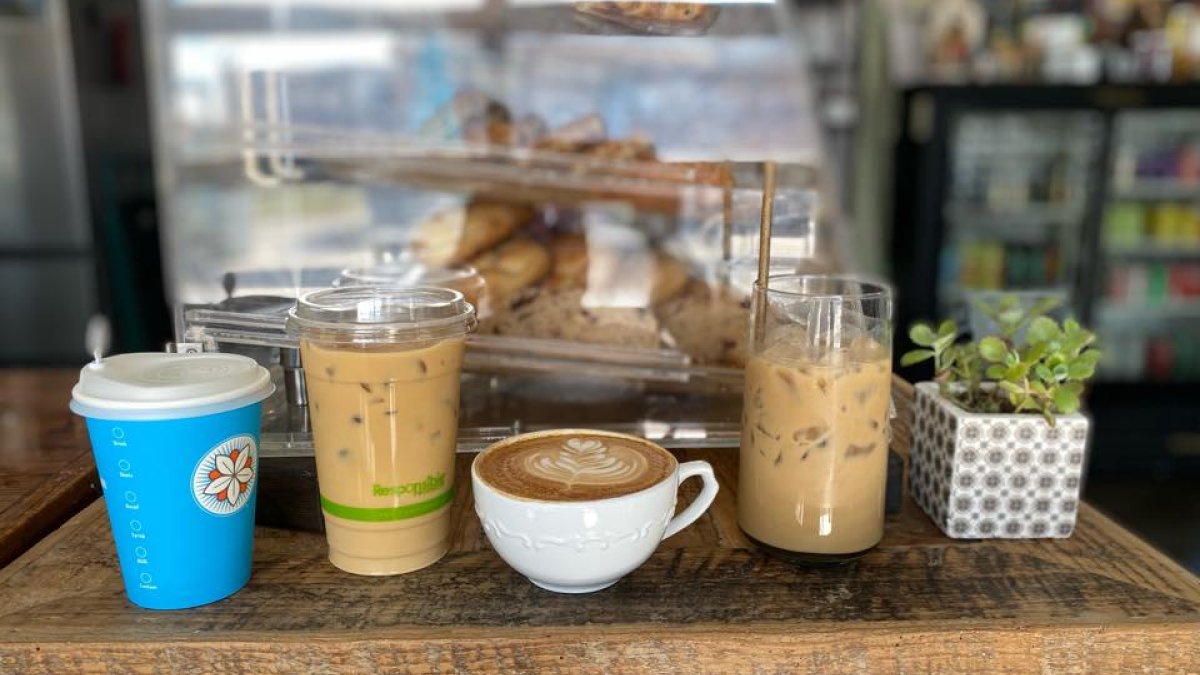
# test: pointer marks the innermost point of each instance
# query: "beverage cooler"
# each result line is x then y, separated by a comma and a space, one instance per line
588, 174
1091, 194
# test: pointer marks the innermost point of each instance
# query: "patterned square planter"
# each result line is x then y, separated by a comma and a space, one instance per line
996, 476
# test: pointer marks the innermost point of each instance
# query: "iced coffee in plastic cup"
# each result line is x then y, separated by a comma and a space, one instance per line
382, 368
815, 417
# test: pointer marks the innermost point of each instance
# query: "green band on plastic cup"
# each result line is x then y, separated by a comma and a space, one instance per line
387, 513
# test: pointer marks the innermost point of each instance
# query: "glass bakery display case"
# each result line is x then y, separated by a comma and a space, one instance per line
588, 174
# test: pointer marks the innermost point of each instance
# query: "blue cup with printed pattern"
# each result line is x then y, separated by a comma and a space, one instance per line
175, 437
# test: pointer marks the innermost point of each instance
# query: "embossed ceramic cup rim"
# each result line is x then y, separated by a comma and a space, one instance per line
566, 433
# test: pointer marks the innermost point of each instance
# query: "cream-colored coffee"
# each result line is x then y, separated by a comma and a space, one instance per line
814, 448
574, 468
385, 423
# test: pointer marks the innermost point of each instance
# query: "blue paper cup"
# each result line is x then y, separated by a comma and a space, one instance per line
175, 438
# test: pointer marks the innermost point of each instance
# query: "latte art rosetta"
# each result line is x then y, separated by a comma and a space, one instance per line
587, 462
565, 466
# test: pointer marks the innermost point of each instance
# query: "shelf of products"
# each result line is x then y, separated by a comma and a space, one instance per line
1151, 228
995, 265
1026, 221
1155, 251
1016, 199
1148, 310
1133, 354
1154, 285
1060, 41
1157, 155
1158, 190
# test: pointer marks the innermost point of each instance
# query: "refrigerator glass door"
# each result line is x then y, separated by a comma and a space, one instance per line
1148, 306
1016, 203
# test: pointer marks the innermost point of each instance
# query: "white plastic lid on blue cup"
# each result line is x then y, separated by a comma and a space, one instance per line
156, 385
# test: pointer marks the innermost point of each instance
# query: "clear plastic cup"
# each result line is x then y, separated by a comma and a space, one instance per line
176, 443
462, 278
382, 368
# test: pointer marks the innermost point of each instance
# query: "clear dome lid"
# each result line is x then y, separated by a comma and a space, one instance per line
365, 315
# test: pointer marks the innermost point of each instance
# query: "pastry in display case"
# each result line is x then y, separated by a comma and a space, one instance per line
588, 174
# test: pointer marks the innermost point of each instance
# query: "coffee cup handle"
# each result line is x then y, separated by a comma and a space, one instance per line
702, 501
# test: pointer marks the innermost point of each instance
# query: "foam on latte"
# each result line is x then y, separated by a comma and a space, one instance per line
574, 467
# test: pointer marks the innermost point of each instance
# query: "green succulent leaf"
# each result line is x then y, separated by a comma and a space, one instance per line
921, 334
1066, 400
1010, 320
1073, 344
1043, 371
995, 372
916, 356
1061, 371
1043, 329
1011, 387
944, 341
947, 327
993, 349
1016, 372
1033, 353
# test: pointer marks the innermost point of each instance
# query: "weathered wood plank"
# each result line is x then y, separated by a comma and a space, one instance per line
46, 470
74, 586
819, 650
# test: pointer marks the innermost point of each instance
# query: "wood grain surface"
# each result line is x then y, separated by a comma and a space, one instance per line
46, 469
1101, 601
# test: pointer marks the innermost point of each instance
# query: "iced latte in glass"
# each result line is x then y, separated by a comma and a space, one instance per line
813, 462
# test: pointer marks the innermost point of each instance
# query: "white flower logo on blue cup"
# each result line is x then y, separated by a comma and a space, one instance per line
224, 477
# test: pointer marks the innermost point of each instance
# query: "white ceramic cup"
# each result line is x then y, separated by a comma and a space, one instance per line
585, 546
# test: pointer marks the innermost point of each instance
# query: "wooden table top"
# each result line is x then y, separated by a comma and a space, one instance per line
707, 601
46, 469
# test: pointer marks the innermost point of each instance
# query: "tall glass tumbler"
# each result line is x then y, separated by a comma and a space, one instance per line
815, 417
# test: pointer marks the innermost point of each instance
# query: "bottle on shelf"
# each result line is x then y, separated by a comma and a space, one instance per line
1157, 287
1184, 281
1160, 358
1124, 223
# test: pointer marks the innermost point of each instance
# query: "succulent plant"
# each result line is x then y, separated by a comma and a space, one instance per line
1031, 364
